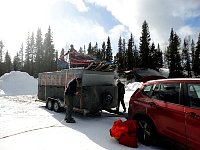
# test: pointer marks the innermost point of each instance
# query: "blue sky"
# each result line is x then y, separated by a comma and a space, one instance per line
79, 22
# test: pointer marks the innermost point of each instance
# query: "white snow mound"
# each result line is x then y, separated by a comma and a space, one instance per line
133, 86
18, 83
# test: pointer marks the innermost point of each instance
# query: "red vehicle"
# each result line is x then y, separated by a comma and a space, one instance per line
168, 108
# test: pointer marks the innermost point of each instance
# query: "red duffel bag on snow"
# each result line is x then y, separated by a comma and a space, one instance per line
118, 129
128, 139
132, 125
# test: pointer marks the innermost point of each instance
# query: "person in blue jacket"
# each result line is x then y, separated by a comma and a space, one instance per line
70, 93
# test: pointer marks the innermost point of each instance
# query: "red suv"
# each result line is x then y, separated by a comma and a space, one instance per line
169, 108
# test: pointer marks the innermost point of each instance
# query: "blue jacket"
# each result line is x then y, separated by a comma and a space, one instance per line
71, 88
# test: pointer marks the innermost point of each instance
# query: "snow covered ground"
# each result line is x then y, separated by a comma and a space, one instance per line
25, 123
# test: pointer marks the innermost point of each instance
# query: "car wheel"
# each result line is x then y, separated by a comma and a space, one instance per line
49, 104
146, 131
56, 106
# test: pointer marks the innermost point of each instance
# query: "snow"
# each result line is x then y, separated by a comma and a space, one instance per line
25, 123
17, 83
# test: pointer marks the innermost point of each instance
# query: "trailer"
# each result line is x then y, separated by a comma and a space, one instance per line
98, 90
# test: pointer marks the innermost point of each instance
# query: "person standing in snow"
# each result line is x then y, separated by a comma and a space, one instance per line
121, 92
70, 93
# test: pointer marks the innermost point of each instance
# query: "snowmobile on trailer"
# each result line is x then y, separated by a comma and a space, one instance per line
98, 89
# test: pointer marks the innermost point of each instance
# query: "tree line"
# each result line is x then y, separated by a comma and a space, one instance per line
39, 55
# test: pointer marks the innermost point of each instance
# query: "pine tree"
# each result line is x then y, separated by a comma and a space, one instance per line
21, 58
192, 53
8, 67
27, 61
196, 65
119, 56
145, 46
32, 54
186, 58
90, 52
109, 57
159, 56
135, 57
16, 63
62, 53
39, 58
124, 49
173, 56
49, 52
130, 57
95, 49
103, 51
1, 57
1, 51
152, 57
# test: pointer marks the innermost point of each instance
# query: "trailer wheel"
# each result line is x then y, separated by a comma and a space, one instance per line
49, 104
107, 99
56, 106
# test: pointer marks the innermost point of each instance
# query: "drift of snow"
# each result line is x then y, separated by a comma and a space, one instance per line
17, 83
26, 124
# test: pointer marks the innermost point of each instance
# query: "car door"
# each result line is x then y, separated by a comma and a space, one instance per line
193, 116
169, 115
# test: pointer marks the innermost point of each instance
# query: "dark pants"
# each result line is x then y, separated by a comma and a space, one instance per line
69, 106
121, 100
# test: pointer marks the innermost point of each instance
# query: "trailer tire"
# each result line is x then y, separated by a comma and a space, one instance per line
56, 106
49, 104
107, 99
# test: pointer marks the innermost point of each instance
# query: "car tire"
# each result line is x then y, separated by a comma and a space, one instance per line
56, 106
146, 131
49, 104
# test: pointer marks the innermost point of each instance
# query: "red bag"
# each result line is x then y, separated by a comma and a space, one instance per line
118, 129
129, 140
132, 125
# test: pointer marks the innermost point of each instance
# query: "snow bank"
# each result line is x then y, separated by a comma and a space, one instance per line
164, 72
133, 86
18, 83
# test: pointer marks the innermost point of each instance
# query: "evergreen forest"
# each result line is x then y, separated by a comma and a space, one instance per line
38, 54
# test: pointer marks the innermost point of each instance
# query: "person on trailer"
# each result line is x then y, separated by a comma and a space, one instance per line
121, 92
70, 93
